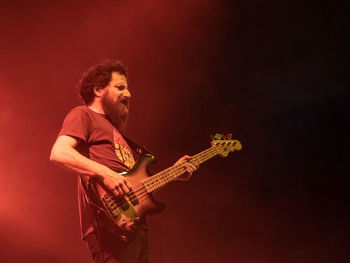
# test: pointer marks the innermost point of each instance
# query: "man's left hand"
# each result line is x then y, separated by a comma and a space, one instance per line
189, 168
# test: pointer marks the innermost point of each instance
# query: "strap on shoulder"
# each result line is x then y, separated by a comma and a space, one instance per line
136, 147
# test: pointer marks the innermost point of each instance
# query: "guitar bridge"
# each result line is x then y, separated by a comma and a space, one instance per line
111, 204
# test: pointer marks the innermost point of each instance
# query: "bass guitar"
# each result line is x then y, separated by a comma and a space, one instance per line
122, 216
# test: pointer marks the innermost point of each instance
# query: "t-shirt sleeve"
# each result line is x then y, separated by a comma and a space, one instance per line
76, 124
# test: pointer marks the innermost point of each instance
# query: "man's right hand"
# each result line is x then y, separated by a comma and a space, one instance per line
64, 153
116, 184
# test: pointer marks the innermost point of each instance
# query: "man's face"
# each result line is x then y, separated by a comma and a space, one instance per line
115, 100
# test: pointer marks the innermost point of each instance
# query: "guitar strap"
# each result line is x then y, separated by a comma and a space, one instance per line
140, 150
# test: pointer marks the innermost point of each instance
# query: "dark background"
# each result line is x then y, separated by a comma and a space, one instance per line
270, 72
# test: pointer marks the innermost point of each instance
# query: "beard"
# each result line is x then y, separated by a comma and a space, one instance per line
117, 112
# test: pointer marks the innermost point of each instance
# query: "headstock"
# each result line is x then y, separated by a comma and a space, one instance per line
225, 144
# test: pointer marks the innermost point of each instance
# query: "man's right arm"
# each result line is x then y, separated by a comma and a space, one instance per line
65, 155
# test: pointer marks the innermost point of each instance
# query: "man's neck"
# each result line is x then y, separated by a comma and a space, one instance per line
96, 107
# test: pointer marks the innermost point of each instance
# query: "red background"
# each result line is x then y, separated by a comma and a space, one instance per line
271, 73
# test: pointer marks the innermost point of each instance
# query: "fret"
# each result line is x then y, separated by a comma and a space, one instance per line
168, 175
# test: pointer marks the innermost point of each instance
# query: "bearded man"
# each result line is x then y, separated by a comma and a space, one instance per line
91, 144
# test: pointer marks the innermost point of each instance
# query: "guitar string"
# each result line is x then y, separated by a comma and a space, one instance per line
195, 159
166, 176
142, 192
201, 157
161, 182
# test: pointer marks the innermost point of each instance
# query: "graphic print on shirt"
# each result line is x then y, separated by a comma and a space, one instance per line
123, 153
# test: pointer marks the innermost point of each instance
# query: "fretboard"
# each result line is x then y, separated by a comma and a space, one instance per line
166, 176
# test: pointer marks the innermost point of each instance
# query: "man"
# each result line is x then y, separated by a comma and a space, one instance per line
90, 143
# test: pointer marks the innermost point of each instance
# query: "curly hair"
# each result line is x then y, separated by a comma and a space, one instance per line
98, 76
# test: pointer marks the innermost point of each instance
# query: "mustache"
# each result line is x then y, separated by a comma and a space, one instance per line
124, 101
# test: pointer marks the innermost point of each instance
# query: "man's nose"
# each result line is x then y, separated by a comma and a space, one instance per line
127, 93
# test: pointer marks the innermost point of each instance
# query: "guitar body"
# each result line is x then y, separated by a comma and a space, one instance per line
124, 215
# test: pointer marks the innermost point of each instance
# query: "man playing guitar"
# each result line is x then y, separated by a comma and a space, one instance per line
90, 144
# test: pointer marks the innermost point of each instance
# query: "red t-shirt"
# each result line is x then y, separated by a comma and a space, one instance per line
100, 141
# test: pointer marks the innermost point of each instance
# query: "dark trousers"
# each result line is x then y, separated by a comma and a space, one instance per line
106, 247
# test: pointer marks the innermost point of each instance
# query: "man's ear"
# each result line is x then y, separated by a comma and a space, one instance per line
98, 91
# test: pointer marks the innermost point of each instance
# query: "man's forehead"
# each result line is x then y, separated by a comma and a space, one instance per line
117, 77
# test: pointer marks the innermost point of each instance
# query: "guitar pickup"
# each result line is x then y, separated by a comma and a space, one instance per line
133, 199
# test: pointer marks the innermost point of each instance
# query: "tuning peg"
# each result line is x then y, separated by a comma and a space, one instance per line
217, 136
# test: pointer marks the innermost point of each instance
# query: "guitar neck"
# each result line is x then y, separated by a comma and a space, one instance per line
166, 176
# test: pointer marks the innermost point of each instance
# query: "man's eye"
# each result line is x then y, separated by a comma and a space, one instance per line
120, 87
